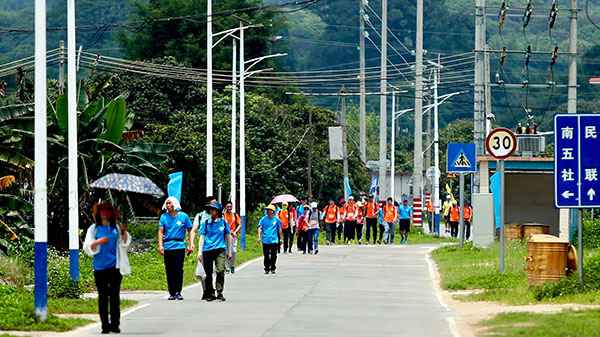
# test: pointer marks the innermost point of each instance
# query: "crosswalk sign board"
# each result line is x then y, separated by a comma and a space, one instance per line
461, 158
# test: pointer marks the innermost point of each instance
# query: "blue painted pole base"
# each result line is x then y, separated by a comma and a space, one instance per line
41, 281
436, 224
74, 264
243, 230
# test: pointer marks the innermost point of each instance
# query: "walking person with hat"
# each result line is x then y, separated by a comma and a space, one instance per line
313, 217
215, 245
270, 232
405, 213
173, 226
372, 210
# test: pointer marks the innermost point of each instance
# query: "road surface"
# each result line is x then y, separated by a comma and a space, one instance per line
344, 291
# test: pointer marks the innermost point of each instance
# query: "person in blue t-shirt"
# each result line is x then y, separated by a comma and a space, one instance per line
405, 214
107, 243
173, 226
214, 243
270, 233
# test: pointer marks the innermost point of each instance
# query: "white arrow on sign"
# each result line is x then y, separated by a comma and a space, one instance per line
567, 194
591, 194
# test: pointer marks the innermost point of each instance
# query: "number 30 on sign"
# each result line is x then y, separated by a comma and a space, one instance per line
501, 143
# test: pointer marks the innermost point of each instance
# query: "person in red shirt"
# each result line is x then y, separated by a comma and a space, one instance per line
330, 214
351, 212
454, 219
287, 219
302, 232
341, 218
468, 218
371, 210
233, 219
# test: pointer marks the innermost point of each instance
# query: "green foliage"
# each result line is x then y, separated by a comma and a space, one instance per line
584, 323
17, 313
59, 281
591, 233
566, 286
14, 272
143, 231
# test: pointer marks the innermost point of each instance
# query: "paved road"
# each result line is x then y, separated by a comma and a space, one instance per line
344, 291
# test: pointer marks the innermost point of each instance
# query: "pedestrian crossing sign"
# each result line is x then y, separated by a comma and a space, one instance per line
461, 158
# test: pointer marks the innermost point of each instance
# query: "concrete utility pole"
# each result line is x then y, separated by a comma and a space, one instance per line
40, 193
344, 142
233, 150
310, 155
479, 90
363, 89
72, 144
383, 101
209, 100
488, 94
418, 140
428, 136
436, 153
242, 141
61, 67
393, 149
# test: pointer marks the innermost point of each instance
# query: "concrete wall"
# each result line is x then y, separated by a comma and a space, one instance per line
529, 197
402, 185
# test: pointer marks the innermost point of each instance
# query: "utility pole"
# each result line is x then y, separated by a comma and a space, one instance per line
436, 152
72, 144
233, 150
418, 139
61, 67
363, 89
488, 94
344, 141
479, 91
310, 155
393, 150
575, 215
242, 141
40, 193
428, 136
383, 101
209, 100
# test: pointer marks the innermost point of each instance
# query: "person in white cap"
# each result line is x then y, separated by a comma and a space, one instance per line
313, 228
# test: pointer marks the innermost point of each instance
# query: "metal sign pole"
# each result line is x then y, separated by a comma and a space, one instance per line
580, 247
501, 198
462, 208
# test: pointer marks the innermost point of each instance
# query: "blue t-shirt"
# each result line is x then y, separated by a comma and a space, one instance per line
214, 233
270, 229
300, 211
404, 211
107, 257
174, 229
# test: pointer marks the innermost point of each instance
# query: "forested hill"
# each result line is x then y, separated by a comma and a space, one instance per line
324, 35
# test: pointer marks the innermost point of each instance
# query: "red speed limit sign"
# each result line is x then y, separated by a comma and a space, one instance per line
501, 143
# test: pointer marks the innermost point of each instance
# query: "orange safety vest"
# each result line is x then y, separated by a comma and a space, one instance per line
429, 207
342, 213
284, 217
232, 219
468, 213
360, 215
389, 213
454, 213
351, 212
372, 208
331, 214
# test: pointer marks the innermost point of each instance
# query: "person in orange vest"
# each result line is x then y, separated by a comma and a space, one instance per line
287, 219
330, 216
302, 232
390, 215
429, 207
351, 211
360, 219
454, 219
468, 218
371, 210
341, 218
233, 220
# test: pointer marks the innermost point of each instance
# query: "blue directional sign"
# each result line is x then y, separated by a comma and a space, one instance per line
461, 158
577, 161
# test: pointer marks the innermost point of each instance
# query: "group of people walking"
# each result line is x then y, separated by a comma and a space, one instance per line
451, 212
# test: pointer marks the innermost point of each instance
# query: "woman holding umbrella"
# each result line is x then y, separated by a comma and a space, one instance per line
173, 226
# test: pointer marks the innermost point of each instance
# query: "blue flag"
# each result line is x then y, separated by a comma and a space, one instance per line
347, 189
175, 185
374, 183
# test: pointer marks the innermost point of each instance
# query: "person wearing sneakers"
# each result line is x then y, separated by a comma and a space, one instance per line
405, 214
285, 216
351, 211
330, 215
372, 208
269, 232
233, 220
341, 218
215, 245
360, 219
390, 215
313, 216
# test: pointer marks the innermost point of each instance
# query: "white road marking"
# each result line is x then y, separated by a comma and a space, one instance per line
438, 294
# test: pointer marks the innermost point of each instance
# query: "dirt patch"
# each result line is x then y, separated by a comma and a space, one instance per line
470, 314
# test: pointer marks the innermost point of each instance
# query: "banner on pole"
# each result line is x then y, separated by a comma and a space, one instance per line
175, 185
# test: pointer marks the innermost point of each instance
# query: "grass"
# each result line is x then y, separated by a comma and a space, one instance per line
564, 324
16, 313
472, 268
80, 306
148, 271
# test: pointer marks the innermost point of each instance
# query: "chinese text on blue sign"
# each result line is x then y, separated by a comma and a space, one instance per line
461, 158
577, 161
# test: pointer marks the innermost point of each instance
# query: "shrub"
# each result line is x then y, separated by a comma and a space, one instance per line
570, 285
59, 280
143, 231
23, 249
14, 272
591, 233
